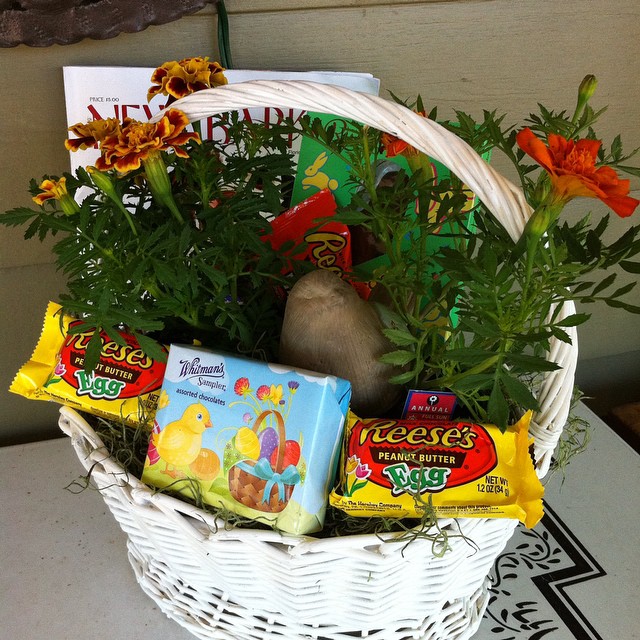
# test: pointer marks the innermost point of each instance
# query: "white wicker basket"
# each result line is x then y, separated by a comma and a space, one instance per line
246, 584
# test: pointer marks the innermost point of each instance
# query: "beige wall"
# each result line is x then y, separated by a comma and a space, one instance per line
469, 54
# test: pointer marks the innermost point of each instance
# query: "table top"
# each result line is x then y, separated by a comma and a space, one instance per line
576, 576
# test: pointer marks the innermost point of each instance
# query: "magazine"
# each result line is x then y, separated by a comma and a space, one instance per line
96, 93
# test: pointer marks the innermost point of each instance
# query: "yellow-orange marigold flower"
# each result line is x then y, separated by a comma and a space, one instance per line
92, 132
179, 79
572, 169
51, 190
56, 190
134, 143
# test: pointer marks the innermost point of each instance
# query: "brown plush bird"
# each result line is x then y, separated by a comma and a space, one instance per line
328, 328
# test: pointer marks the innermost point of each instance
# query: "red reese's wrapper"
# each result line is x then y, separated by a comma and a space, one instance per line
397, 468
125, 384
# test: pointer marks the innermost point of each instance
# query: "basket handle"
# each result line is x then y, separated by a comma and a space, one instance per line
504, 200
501, 197
282, 436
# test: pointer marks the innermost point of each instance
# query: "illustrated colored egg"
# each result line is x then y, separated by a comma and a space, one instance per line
247, 443
268, 442
291, 454
207, 465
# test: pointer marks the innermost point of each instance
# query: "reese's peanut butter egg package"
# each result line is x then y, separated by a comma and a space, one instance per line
327, 243
392, 468
261, 440
125, 384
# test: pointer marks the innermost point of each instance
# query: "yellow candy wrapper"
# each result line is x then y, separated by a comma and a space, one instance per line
124, 385
392, 468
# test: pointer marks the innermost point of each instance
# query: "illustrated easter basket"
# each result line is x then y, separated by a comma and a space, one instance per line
249, 584
256, 490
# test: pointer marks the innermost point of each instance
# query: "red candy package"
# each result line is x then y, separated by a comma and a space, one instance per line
124, 385
328, 244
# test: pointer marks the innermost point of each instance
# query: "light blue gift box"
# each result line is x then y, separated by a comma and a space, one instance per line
219, 435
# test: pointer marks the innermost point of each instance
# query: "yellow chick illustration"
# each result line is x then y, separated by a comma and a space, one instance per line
179, 443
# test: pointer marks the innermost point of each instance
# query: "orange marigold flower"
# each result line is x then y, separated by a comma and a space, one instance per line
179, 79
91, 133
394, 146
134, 143
571, 166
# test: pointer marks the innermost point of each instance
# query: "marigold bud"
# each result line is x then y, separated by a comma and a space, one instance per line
102, 181
541, 191
587, 88
585, 91
542, 219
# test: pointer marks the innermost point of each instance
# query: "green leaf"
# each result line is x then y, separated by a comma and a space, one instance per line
576, 250
519, 392
403, 378
398, 358
484, 329
352, 217
94, 349
390, 319
498, 407
634, 171
468, 355
531, 363
473, 382
573, 320
630, 267
151, 347
164, 272
593, 244
399, 337
115, 336
561, 335
18, 216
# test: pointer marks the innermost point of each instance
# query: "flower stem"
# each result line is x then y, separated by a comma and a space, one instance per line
420, 165
447, 381
369, 176
102, 181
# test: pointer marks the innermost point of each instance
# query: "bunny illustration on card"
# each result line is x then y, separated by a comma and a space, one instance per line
314, 177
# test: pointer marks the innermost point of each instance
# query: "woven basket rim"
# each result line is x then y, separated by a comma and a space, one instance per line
93, 454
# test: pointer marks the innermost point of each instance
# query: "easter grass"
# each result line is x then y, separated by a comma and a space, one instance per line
127, 446
575, 439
